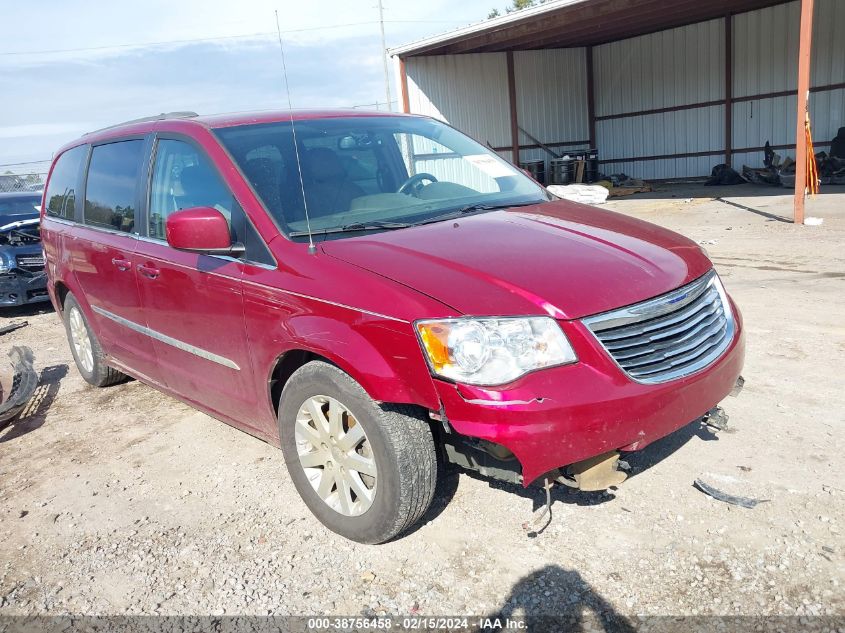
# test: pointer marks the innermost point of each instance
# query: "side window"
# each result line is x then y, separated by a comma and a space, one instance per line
61, 192
110, 191
184, 178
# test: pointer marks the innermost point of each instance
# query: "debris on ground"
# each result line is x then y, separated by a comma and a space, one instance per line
716, 418
761, 176
724, 175
585, 194
18, 381
743, 502
623, 185
12, 327
813, 221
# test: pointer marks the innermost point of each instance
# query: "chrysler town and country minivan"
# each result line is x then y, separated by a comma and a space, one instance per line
380, 295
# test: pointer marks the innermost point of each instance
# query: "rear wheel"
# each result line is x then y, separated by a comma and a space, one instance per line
85, 347
366, 471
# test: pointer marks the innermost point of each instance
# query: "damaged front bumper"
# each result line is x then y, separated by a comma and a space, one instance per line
560, 416
19, 287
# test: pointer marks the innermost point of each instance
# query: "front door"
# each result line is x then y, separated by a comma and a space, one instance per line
101, 250
193, 303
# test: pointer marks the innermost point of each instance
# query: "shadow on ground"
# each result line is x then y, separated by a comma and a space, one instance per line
748, 197
556, 599
35, 412
30, 309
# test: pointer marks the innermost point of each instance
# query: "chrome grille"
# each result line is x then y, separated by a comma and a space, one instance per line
32, 263
670, 336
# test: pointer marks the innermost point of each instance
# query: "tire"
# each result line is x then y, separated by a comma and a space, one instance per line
397, 439
92, 367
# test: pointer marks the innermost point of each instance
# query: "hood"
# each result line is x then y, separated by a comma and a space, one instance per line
561, 258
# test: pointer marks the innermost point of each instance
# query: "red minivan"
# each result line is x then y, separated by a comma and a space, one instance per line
380, 295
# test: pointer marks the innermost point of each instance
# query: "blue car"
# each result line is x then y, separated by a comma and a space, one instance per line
22, 277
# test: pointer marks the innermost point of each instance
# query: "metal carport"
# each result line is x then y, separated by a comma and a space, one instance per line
663, 89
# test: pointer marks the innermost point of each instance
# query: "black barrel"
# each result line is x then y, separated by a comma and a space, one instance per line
591, 166
537, 169
561, 171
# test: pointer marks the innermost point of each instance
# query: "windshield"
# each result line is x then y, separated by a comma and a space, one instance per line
16, 208
372, 173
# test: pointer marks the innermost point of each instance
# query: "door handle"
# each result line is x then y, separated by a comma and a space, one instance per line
150, 272
122, 264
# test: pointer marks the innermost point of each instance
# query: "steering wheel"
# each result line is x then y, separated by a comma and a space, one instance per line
413, 183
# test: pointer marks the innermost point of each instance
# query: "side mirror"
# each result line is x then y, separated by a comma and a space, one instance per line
201, 230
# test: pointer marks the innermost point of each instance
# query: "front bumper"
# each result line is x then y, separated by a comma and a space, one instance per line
560, 416
20, 287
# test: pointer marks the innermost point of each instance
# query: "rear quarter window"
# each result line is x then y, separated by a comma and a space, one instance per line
61, 191
111, 192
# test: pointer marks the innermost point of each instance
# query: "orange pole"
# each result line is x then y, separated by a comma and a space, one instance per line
403, 86
805, 42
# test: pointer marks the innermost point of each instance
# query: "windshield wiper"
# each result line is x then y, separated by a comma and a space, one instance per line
354, 227
473, 208
386, 225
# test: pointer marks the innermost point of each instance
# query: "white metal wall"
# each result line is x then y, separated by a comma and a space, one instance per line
468, 91
671, 68
662, 70
765, 60
551, 98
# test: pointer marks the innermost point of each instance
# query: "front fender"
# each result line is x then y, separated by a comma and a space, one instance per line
382, 355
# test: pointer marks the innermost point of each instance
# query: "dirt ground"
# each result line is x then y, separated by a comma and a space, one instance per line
124, 501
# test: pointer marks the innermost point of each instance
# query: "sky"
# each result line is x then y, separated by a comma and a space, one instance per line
67, 68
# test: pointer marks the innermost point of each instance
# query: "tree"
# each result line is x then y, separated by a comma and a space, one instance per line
516, 5
519, 5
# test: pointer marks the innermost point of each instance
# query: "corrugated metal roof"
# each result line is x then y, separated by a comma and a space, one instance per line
492, 24
570, 23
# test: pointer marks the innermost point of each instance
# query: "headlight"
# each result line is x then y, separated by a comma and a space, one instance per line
4, 267
493, 351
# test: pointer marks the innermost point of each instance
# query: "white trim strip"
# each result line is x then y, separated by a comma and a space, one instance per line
169, 340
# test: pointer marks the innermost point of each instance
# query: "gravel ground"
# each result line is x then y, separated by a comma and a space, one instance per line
125, 501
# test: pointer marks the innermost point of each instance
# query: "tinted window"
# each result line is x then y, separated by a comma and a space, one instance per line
112, 182
184, 177
61, 193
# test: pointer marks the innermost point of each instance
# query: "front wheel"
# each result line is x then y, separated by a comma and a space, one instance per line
366, 471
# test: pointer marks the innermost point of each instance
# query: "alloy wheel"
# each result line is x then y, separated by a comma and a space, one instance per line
336, 455
81, 340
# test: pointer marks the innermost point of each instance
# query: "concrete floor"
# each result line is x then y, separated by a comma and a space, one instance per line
771, 203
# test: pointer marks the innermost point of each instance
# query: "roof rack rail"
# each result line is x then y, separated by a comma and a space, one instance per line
187, 114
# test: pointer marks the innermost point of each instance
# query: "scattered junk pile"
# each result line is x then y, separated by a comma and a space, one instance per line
827, 168
577, 177
18, 379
